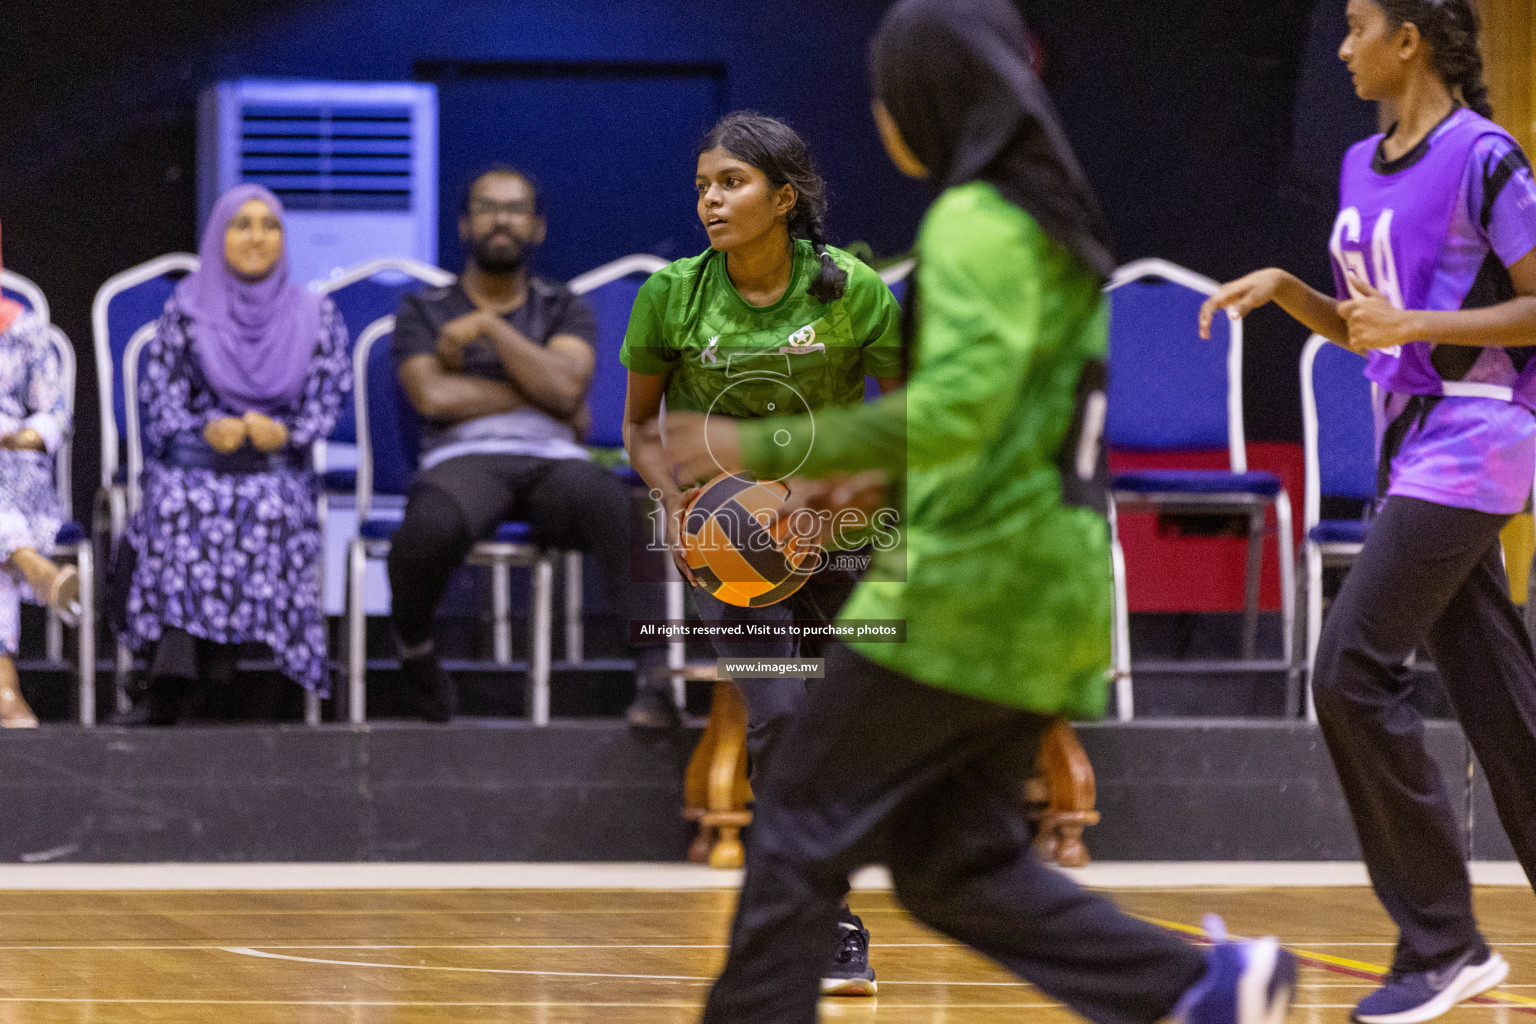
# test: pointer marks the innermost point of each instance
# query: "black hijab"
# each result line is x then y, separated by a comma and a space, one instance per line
956, 78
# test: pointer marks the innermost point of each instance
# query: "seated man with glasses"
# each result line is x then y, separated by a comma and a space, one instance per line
498, 365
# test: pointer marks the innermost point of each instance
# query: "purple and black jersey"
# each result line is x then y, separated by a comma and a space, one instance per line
1437, 228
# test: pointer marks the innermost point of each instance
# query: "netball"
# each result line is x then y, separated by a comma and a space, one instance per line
730, 549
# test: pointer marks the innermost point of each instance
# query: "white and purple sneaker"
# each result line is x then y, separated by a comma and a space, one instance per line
1250, 981
1411, 998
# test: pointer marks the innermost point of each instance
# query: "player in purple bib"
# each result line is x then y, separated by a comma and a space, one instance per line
1434, 260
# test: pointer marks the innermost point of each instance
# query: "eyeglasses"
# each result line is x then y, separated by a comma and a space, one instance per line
490, 208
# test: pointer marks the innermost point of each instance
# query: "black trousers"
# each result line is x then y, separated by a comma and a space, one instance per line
180, 656
879, 768
571, 504
773, 700
1429, 574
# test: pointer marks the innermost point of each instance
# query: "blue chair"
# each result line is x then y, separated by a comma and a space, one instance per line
1339, 434
610, 290
72, 542
18, 289
362, 295
1171, 391
387, 444
123, 305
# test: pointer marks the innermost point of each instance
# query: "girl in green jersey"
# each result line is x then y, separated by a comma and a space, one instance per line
768, 319
915, 756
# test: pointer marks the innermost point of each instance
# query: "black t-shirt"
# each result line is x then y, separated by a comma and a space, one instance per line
550, 309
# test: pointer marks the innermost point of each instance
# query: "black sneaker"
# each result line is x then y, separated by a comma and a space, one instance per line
653, 708
849, 973
435, 694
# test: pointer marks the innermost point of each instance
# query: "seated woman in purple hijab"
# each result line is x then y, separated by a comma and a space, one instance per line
246, 370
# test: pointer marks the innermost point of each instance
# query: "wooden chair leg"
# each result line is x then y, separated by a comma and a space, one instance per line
1062, 797
715, 787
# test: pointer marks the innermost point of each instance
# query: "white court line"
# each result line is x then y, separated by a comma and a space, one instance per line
252, 951
248, 951
653, 877
555, 1005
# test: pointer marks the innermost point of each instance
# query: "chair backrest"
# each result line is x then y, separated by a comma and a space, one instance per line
1169, 389
1338, 426
610, 290
897, 274
61, 460
134, 413
367, 292
17, 288
124, 304
388, 438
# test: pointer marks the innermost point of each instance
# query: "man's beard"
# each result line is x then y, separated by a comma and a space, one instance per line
504, 255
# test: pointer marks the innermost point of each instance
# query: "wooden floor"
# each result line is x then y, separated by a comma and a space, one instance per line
618, 956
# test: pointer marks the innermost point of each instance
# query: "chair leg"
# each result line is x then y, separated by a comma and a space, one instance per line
120, 673
538, 661
501, 613
85, 640
1287, 545
1314, 619
357, 565
1251, 590
1124, 692
53, 638
574, 639
677, 650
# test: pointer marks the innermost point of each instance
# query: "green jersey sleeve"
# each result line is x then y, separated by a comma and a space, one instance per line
646, 346
979, 315
876, 322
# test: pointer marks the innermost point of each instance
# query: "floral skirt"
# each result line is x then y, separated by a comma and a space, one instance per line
30, 517
232, 558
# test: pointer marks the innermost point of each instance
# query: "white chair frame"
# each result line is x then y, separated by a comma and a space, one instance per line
33, 294
675, 590
499, 556
1253, 505
1317, 556
82, 552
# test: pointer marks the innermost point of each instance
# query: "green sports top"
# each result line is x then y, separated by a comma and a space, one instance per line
798, 355
1005, 591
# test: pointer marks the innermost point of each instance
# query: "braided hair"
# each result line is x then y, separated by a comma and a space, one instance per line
777, 150
1450, 28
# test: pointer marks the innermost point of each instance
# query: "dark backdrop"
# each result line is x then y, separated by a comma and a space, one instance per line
1212, 129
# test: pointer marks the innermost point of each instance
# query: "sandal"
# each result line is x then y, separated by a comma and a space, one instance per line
64, 596
14, 711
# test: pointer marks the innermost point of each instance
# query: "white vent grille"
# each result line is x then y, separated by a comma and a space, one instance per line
329, 158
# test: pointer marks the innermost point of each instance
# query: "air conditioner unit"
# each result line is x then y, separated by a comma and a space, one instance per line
355, 164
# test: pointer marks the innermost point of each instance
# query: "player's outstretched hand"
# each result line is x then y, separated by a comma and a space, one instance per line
1373, 321
701, 447
1241, 297
814, 509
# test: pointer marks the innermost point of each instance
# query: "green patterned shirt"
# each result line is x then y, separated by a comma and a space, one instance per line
799, 355
1005, 591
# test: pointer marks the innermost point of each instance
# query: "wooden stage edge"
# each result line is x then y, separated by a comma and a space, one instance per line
657, 877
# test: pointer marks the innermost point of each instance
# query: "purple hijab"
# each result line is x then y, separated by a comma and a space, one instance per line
255, 339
